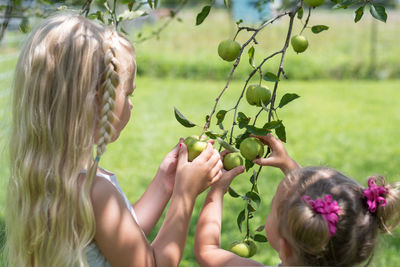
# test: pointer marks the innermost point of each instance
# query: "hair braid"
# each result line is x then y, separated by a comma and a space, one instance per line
111, 81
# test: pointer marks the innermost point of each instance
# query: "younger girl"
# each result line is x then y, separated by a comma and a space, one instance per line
318, 216
71, 96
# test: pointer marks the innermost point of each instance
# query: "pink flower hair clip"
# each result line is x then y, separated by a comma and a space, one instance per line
375, 195
328, 209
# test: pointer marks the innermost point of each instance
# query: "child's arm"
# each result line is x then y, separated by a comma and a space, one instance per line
119, 237
152, 203
207, 246
279, 157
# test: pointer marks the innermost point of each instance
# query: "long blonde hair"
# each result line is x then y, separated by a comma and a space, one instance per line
63, 101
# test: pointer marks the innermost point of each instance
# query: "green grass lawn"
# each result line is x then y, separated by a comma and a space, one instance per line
349, 125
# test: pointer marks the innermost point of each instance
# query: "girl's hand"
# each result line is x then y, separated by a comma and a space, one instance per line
194, 177
279, 157
167, 170
227, 176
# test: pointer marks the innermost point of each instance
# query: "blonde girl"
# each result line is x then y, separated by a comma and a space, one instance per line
318, 216
71, 97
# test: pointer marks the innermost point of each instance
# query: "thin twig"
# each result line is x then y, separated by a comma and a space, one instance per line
7, 17
307, 20
207, 124
86, 8
159, 30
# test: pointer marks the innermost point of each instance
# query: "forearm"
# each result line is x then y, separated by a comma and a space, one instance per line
170, 242
289, 166
151, 204
208, 230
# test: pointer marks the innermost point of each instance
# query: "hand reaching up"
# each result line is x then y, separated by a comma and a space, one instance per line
194, 177
279, 157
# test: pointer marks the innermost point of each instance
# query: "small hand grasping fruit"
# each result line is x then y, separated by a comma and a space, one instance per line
194, 146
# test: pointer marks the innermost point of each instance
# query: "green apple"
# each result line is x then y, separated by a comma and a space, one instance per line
194, 146
240, 248
314, 3
229, 50
252, 245
299, 43
255, 94
251, 148
232, 160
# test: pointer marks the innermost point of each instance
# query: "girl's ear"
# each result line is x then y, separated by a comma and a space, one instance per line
285, 251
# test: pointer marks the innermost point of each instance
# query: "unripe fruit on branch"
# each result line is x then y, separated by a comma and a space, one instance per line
314, 3
251, 148
255, 94
232, 160
229, 50
252, 246
240, 248
299, 43
194, 146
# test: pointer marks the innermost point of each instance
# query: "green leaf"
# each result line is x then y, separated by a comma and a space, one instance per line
250, 208
359, 13
240, 219
24, 25
251, 56
281, 133
226, 2
257, 131
202, 15
260, 238
270, 77
240, 138
253, 179
300, 13
213, 135
248, 164
260, 228
182, 120
253, 196
150, 4
243, 120
319, 28
378, 12
232, 192
239, 22
226, 145
287, 98
155, 3
130, 15
272, 125
220, 116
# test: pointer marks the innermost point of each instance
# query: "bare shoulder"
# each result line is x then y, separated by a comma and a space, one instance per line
117, 235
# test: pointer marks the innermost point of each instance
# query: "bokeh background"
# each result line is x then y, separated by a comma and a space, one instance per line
347, 116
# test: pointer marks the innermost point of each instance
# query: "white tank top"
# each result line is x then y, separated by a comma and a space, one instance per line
94, 256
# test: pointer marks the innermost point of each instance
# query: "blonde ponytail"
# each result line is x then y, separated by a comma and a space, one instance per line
388, 215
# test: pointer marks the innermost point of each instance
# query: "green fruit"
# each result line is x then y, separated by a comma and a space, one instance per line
240, 248
252, 245
314, 3
299, 43
251, 148
194, 146
232, 160
255, 94
229, 50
